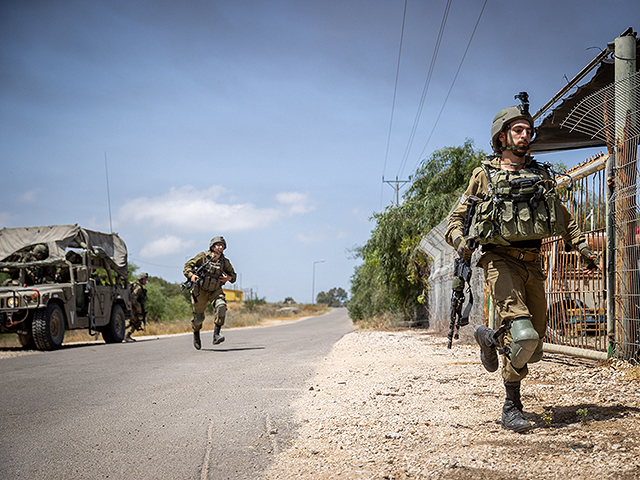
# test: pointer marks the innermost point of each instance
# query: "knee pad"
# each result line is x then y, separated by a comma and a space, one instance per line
525, 342
537, 354
221, 313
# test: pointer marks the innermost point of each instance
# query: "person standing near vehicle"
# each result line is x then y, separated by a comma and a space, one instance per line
517, 208
213, 271
138, 302
40, 274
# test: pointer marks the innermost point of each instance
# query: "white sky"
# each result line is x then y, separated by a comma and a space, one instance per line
262, 121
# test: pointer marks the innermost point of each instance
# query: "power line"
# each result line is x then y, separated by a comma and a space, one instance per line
396, 187
452, 84
426, 87
393, 104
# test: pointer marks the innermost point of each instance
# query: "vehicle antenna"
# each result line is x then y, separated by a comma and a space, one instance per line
106, 171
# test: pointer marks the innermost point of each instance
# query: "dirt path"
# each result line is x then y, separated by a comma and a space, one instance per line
395, 405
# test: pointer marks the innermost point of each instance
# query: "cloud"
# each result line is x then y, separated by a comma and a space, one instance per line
28, 196
297, 202
192, 210
167, 245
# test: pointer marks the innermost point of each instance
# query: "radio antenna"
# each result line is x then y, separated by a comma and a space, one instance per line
106, 171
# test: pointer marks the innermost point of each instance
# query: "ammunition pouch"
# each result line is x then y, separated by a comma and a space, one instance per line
211, 276
521, 205
210, 284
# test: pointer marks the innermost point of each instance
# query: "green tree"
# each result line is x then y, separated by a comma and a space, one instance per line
165, 302
336, 297
393, 274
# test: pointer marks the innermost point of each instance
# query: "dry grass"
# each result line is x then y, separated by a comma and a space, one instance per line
385, 321
236, 317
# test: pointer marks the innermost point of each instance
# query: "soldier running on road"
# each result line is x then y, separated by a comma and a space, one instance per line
213, 271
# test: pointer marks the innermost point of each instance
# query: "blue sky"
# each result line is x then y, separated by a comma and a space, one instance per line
262, 121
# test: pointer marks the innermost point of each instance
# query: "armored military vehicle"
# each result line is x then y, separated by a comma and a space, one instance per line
62, 277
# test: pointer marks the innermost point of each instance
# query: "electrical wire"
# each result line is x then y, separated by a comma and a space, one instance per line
393, 104
426, 88
452, 84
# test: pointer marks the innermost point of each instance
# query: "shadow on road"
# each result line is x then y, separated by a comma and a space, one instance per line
239, 349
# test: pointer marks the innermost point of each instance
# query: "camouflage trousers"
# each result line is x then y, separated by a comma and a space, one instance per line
135, 323
517, 289
199, 305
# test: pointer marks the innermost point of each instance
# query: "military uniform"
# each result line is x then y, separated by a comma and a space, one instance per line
513, 271
39, 274
517, 207
138, 303
209, 289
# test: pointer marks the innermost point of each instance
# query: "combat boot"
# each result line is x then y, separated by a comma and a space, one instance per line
217, 338
513, 393
128, 338
196, 339
488, 354
512, 418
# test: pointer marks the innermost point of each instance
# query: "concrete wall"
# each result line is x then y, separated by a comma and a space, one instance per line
441, 257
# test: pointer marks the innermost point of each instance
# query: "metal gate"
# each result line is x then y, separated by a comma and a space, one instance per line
602, 312
576, 302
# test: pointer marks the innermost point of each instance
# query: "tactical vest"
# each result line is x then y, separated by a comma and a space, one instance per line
211, 275
139, 293
518, 206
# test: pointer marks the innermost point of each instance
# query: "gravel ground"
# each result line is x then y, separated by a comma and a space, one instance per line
395, 405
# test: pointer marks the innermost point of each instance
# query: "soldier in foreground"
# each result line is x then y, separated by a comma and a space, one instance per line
518, 208
206, 274
138, 302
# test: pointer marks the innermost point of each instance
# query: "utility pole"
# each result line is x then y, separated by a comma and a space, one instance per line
313, 282
396, 187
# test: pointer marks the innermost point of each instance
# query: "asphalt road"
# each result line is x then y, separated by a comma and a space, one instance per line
158, 408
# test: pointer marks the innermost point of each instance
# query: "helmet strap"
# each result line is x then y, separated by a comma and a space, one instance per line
518, 151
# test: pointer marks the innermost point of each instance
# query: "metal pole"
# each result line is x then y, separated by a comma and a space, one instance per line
313, 282
625, 67
610, 264
574, 81
574, 352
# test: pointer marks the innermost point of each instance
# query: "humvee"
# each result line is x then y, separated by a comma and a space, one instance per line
80, 282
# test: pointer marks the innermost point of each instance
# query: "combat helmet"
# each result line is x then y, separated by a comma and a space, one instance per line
506, 116
215, 240
41, 249
142, 276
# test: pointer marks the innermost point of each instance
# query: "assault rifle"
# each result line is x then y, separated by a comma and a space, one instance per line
188, 284
462, 275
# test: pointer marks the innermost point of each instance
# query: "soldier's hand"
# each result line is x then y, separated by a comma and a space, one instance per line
591, 260
461, 247
224, 278
194, 278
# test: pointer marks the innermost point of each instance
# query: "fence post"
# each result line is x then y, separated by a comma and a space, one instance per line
626, 207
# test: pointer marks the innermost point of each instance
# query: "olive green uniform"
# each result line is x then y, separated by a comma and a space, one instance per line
138, 302
513, 272
209, 287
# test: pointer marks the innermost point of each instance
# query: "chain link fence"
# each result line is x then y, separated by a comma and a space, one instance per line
591, 315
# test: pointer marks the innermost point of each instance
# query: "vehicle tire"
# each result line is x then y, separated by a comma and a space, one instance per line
48, 327
113, 332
